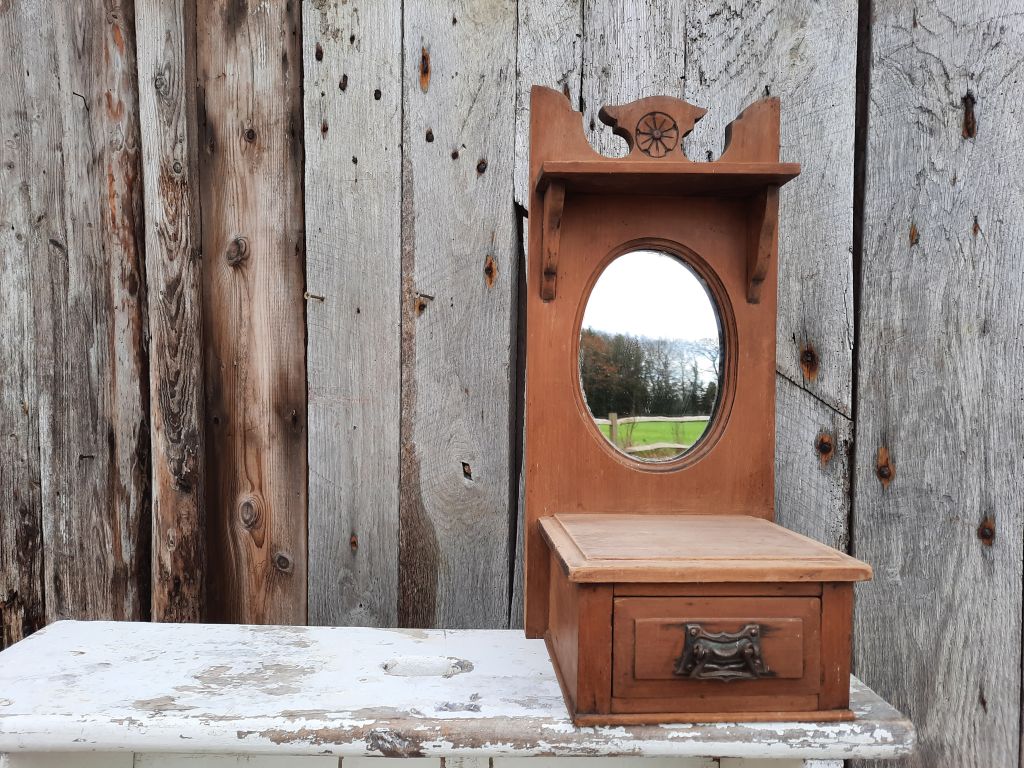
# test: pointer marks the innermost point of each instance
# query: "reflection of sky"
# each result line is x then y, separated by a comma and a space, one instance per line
646, 293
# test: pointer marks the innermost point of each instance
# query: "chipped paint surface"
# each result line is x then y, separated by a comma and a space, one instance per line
321, 690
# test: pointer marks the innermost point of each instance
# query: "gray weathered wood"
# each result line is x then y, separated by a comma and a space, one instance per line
78, 144
352, 56
550, 52
805, 55
459, 282
167, 110
249, 62
941, 379
630, 50
812, 466
21, 525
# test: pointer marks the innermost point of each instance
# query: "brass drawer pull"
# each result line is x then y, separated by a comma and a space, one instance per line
722, 655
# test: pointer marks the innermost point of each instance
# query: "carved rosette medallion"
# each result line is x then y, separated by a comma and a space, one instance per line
656, 134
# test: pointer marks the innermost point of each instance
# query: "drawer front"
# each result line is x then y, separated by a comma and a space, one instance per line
716, 647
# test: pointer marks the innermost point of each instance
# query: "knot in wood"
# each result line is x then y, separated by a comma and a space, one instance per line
160, 84
283, 562
987, 531
249, 512
809, 362
238, 252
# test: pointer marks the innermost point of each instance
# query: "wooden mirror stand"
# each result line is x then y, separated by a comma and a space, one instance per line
664, 590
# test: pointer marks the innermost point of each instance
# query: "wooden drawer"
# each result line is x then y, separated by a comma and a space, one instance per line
743, 653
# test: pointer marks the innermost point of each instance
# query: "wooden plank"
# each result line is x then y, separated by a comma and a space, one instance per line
353, 183
249, 67
807, 58
813, 444
836, 638
550, 52
21, 524
630, 50
167, 109
87, 295
940, 366
459, 284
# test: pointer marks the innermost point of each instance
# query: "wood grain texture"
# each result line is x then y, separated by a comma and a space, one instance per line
813, 444
76, 134
550, 52
173, 236
630, 50
807, 58
353, 192
249, 68
940, 381
459, 283
21, 523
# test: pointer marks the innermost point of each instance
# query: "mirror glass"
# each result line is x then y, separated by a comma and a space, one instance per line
651, 356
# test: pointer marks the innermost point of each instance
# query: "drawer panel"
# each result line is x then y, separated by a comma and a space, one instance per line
710, 647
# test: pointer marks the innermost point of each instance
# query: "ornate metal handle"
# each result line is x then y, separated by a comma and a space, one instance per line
722, 655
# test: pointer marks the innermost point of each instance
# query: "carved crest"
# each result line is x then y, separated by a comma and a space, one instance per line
653, 127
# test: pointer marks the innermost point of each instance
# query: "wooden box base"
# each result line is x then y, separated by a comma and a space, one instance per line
632, 647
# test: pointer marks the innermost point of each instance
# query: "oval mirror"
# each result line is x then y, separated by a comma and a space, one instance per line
651, 356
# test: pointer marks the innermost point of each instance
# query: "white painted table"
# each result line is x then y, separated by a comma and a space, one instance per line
174, 695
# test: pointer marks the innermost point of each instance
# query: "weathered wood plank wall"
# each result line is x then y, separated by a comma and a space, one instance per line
459, 265
370, 217
21, 519
353, 116
167, 76
72, 223
940, 388
249, 64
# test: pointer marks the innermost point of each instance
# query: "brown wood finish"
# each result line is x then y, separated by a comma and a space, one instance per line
749, 589
649, 638
580, 640
167, 104
718, 613
619, 716
709, 232
253, 310
691, 548
836, 645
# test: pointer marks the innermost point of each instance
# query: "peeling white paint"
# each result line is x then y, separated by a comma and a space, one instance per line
102, 686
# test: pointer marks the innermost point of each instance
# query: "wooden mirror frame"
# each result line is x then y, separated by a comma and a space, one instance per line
721, 218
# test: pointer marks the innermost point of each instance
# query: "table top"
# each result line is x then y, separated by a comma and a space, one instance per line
353, 691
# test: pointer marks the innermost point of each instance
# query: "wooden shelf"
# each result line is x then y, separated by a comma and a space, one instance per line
665, 178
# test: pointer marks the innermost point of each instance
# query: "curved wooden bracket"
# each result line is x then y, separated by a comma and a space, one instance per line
762, 239
551, 235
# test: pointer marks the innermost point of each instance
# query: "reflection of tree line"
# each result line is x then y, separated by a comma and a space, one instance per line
638, 376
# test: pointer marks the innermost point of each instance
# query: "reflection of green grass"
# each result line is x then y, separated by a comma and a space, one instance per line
648, 432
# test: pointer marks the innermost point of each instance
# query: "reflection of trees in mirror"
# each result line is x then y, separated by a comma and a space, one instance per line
652, 398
